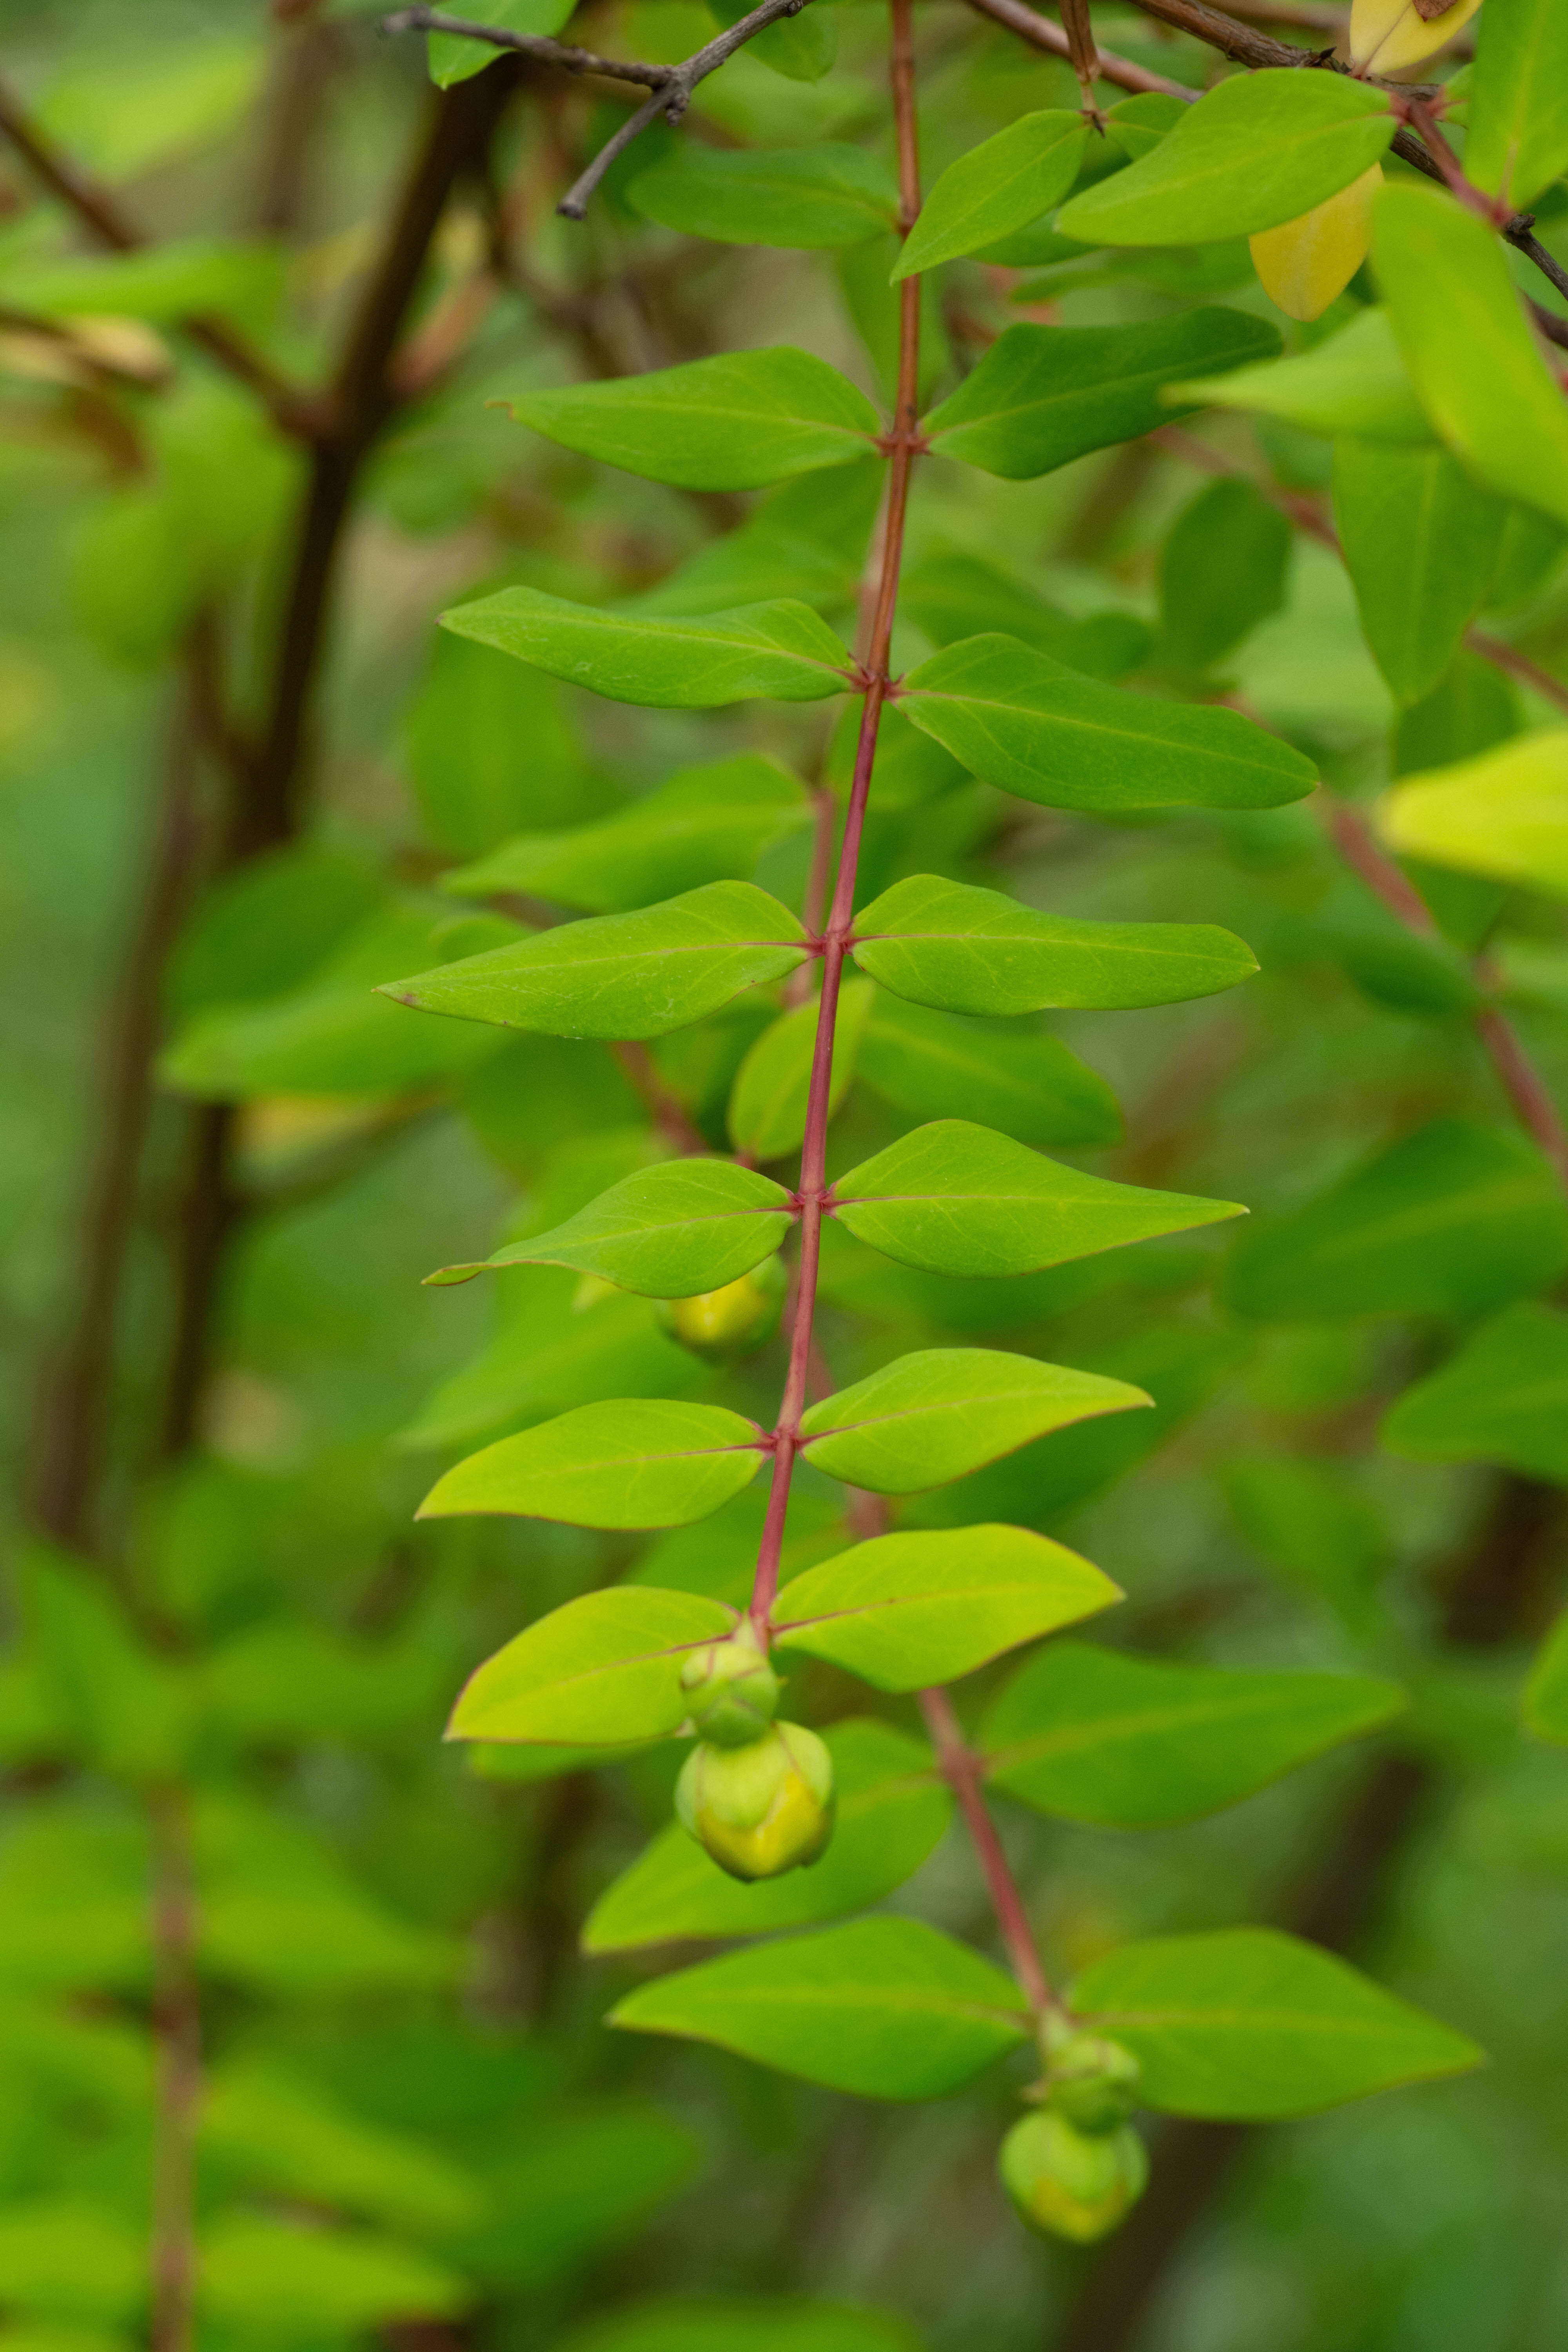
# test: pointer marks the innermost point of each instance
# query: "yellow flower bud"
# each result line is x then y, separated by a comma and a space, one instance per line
733, 1689
1389, 36
762, 1808
1305, 264
733, 1322
1068, 2183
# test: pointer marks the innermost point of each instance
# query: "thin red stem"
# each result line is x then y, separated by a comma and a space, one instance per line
902, 445
962, 1770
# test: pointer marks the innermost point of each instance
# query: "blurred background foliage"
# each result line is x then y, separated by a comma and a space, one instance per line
414, 2130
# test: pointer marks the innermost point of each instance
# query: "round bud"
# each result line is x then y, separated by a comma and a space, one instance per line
762, 1808
1068, 2183
733, 1692
1092, 2081
721, 1325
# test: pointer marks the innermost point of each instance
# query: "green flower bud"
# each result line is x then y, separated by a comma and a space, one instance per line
721, 1325
733, 1689
762, 1808
1068, 2183
1092, 2081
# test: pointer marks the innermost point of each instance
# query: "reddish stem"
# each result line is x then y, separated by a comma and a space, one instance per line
901, 444
962, 1770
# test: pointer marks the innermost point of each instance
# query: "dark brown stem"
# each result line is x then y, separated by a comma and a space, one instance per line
308, 53
176, 2026
963, 1772
102, 213
901, 444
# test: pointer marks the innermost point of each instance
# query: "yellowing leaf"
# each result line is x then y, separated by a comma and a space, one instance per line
1505, 814
1306, 264
1389, 36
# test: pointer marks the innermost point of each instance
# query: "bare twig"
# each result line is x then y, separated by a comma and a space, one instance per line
1079, 29
1041, 33
564, 54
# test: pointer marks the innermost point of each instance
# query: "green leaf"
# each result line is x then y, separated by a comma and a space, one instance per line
935, 1064
173, 280
1223, 569
1258, 150
1502, 1398
606, 1669
772, 1085
1546, 1692
1252, 2025
461, 735
953, 594
1044, 396
454, 58
1020, 721
1505, 814
734, 423
1138, 124
759, 2323
965, 950
273, 2280
933, 1416
904, 1612
670, 1232
1516, 134
1453, 1219
780, 651
638, 975
958, 1199
705, 824
801, 47
1473, 360
1134, 1743
636, 1463
330, 1034
1420, 538
805, 540
999, 186
1316, 1529
821, 195
892, 1807
886, 2008
1353, 382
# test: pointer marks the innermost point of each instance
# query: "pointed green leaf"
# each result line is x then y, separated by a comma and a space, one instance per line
892, 1807
1504, 813
454, 57
1476, 366
772, 1085
1453, 1219
888, 2009
1420, 538
670, 1232
958, 1199
1138, 124
616, 976
1503, 1398
1019, 720
1002, 184
604, 1670
947, 944
1256, 150
1044, 396
778, 651
1353, 382
785, 2323
1252, 2025
904, 1612
636, 1463
952, 595
1516, 133
943, 1411
934, 1064
1134, 1743
705, 824
1546, 1692
734, 423
825, 195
